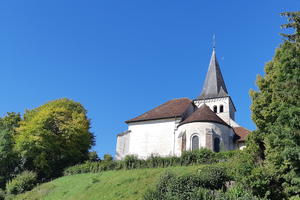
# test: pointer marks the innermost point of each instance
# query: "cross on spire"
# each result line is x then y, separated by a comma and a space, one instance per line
214, 41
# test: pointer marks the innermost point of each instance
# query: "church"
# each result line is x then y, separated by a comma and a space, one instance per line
183, 124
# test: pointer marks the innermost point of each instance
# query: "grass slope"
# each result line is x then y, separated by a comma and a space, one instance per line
110, 185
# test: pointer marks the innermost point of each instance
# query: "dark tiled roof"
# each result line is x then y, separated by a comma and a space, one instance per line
242, 133
204, 114
214, 85
170, 109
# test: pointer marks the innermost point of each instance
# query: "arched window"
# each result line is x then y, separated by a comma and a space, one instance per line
217, 144
221, 108
215, 109
195, 142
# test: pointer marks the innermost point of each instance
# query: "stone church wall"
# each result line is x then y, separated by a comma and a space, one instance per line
206, 131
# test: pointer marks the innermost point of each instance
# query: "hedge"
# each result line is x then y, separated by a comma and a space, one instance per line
203, 156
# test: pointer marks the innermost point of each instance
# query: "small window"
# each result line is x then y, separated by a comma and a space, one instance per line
217, 144
221, 108
215, 109
195, 142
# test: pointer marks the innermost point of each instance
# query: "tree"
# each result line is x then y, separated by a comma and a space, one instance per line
9, 161
54, 136
276, 112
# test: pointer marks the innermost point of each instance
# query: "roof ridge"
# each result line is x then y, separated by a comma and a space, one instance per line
204, 114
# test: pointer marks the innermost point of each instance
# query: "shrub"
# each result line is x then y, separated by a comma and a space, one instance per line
201, 185
156, 161
227, 155
2, 194
238, 192
90, 167
93, 156
240, 165
213, 177
202, 156
107, 157
132, 162
22, 183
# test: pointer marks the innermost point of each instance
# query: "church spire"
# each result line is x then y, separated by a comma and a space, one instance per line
214, 85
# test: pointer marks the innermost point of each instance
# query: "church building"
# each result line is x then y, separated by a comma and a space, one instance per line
183, 124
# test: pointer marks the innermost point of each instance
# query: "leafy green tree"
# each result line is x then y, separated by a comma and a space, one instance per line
276, 112
9, 161
54, 136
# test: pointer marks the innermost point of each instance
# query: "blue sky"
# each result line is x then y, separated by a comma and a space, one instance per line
122, 58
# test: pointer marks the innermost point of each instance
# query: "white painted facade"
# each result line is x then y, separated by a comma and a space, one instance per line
148, 138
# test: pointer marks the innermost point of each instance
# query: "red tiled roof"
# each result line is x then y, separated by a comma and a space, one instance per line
242, 133
173, 108
204, 114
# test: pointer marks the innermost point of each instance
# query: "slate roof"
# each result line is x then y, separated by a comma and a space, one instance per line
171, 109
214, 85
204, 114
242, 133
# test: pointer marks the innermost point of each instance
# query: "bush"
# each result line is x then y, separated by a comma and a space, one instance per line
213, 177
90, 167
93, 156
202, 156
22, 183
2, 194
107, 157
238, 192
201, 185
227, 155
132, 162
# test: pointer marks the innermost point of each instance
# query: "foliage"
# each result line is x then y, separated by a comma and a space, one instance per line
201, 156
54, 136
213, 177
240, 166
2, 194
93, 156
276, 112
294, 21
21, 183
90, 167
238, 192
107, 157
200, 185
8, 158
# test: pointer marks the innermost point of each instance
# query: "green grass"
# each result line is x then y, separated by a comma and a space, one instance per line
109, 185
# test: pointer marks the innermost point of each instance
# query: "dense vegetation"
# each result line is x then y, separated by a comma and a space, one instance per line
44, 141
203, 156
276, 112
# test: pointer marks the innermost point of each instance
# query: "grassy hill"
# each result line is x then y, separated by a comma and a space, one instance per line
109, 185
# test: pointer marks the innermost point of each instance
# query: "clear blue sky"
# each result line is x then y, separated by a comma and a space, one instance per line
122, 58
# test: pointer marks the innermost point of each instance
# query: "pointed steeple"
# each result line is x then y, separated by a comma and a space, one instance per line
214, 85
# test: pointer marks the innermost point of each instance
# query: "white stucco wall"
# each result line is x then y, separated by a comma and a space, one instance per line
152, 137
123, 142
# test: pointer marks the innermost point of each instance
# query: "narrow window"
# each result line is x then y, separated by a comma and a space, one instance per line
221, 108
215, 109
216, 144
195, 142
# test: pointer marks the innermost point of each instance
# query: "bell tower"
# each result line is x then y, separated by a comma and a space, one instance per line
215, 94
